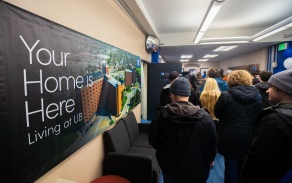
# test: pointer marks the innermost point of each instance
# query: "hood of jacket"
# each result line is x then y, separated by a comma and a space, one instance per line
183, 112
244, 94
284, 108
182, 108
263, 86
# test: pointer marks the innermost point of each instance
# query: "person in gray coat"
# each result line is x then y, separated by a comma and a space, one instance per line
236, 109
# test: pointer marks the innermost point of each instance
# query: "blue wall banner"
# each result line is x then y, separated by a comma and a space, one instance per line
58, 90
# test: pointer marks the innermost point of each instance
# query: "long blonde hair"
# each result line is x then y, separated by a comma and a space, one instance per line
210, 95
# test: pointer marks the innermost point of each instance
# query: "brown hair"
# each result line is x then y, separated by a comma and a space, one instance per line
265, 75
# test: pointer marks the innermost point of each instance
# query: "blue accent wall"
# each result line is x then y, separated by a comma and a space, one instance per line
281, 57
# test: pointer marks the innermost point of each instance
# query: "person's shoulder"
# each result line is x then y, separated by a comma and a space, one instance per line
203, 112
166, 86
225, 93
162, 111
272, 113
220, 81
274, 120
165, 90
225, 97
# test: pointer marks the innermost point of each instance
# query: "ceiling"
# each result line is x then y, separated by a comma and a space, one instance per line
176, 22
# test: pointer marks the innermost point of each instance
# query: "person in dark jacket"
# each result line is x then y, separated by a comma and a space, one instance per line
263, 86
184, 136
236, 110
165, 95
270, 153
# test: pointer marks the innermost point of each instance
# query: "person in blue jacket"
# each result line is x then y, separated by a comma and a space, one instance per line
222, 84
204, 75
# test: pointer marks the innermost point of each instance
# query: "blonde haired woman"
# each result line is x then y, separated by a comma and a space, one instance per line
209, 96
237, 109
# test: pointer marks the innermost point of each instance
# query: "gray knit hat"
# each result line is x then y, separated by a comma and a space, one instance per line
282, 81
181, 87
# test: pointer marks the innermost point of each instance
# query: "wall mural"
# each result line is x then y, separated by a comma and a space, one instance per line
59, 89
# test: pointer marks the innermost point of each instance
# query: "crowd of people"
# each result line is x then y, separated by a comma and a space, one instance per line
245, 117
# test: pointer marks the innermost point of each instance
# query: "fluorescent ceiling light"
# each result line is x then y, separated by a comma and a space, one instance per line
198, 37
225, 48
210, 56
186, 56
236, 38
224, 42
202, 60
272, 32
212, 11
211, 15
184, 60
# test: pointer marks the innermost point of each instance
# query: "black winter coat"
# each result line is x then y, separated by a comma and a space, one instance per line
236, 110
270, 154
186, 141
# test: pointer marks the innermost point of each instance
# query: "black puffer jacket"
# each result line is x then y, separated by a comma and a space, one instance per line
236, 110
186, 141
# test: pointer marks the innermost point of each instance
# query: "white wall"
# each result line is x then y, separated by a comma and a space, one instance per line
213, 65
105, 21
255, 57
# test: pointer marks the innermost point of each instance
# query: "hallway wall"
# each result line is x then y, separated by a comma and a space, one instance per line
255, 57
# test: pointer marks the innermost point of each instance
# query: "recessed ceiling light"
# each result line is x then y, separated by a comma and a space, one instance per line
202, 60
186, 56
225, 48
184, 60
210, 56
